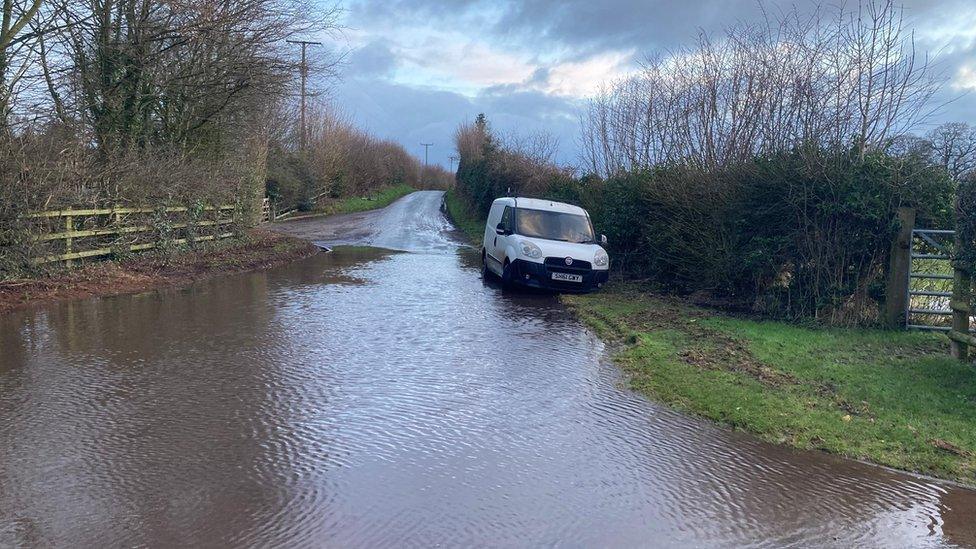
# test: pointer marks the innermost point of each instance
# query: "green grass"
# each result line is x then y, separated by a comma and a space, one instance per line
461, 214
893, 398
378, 199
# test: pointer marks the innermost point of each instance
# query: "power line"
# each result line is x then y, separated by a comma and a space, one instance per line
453, 158
304, 73
427, 147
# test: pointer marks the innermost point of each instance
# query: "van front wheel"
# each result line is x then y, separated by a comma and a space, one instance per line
508, 274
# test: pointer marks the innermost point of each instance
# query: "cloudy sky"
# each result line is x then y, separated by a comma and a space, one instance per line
415, 69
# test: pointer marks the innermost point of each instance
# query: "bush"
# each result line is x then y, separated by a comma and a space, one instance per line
289, 180
966, 224
795, 235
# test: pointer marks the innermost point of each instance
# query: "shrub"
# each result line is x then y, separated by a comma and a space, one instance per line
795, 235
289, 180
966, 224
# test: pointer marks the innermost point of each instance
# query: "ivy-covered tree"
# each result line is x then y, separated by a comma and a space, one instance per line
966, 224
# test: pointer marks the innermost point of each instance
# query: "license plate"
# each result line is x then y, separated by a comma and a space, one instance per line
566, 277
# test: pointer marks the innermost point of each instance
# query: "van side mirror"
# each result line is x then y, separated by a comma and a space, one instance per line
603, 239
501, 229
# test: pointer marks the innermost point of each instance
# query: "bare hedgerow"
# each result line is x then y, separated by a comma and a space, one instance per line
342, 160
492, 165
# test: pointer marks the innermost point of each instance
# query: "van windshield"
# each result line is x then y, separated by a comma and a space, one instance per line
553, 225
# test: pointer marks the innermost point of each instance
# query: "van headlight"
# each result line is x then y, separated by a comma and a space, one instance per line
601, 259
530, 250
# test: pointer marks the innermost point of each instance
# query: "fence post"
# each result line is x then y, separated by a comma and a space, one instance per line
896, 289
962, 299
69, 226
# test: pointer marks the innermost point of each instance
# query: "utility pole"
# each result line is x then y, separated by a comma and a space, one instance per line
427, 146
453, 159
304, 73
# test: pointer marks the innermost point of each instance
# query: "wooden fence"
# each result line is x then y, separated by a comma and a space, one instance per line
270, 212
88, 233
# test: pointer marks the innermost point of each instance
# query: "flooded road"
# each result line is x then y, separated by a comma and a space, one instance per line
369, 398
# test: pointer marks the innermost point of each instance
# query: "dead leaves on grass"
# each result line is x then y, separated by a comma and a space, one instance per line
949, 447
707, 348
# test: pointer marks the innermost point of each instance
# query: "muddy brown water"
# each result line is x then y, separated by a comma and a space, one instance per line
368, 398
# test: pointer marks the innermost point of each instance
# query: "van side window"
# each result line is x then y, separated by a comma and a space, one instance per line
495, 214
507, 220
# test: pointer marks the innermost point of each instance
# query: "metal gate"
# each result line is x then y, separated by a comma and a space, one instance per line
930, 276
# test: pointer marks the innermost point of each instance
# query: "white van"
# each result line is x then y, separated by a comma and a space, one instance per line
543, 244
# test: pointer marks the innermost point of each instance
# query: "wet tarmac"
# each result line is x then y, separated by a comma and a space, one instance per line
370, 398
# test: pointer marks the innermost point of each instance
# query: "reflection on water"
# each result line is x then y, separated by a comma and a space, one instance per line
366, 398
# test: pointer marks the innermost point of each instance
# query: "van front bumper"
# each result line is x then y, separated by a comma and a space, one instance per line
539, 275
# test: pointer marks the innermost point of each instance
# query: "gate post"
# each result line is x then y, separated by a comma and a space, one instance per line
962, 298
896, 289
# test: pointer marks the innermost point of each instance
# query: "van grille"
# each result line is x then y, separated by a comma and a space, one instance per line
559, 264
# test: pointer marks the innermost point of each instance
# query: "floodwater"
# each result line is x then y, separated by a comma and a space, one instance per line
368, 398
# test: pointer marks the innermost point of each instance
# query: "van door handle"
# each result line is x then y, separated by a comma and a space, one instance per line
496, 241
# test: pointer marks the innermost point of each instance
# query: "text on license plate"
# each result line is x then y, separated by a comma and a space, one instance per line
566, 277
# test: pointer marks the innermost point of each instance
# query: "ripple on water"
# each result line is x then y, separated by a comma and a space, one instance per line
390, 399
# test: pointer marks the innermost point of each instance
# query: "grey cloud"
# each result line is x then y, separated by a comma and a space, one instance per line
402, 11
953, 105
524, 101
540, 77
588, 26
649, 25
373, 59
620, 24
411, 115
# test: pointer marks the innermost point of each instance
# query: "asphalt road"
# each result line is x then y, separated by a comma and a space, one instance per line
413, 223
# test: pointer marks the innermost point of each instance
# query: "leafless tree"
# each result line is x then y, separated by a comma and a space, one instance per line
16, 43
139, 72
187, 80
145, 101
835, 78
345, 160
510, 163
954, 148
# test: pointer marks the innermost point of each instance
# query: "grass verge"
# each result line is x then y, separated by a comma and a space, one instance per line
892, 398
463, 216
258, 250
